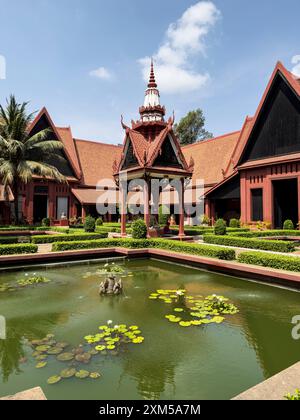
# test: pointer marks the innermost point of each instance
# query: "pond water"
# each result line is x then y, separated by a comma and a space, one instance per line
206, 362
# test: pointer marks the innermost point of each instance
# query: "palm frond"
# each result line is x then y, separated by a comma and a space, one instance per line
46, 170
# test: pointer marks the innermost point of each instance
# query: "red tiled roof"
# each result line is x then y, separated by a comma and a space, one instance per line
96, 160
147, 151
211, 157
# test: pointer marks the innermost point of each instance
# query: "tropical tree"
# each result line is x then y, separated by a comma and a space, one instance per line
191, 128
21, 155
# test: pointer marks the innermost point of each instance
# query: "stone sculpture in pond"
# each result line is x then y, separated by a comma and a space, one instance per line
112, 285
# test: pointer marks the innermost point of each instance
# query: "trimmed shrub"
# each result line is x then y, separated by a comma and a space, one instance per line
235, 224
280, 262
46, 222
266, 233
99, 221
18, 249
164, 215
252, 243
89, 224
183, 247
220, 227
288, 225
9, 240
139, 229
49, 239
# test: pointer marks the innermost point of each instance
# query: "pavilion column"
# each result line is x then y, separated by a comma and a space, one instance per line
181, 210
146, 204
123, 188
83, 213
30, 198
299, 198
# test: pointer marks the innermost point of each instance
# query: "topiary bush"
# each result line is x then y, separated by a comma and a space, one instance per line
46, 222
234, 223
99, 221
164, 215
220, 227
251, 243
139, 229
288, 225
280, 262
89, 224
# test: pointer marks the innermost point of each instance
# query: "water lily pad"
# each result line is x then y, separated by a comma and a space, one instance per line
65, 357
62, 345
83, 358
41, 365
178, 310
42, 357
95, 375
82, 374
100, 348
196, 323
42, 349
111, 347
68, 373
185, 324
54, 380
175, 320
55, 350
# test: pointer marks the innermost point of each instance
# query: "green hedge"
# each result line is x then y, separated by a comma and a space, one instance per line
252, 243
9, 240
280, 262
49, 239
187, 248
18, 249
266, 233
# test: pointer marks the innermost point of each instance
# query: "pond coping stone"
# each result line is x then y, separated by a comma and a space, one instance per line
34, 394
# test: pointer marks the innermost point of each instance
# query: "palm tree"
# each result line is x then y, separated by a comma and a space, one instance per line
22, 156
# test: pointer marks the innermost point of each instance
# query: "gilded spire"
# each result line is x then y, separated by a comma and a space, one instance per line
152, 81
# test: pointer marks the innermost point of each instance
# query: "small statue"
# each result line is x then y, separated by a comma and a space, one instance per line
111, 286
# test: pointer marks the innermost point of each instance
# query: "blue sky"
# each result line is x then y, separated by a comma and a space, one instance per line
86, 60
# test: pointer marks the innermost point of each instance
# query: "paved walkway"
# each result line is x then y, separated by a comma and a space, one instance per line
44, 248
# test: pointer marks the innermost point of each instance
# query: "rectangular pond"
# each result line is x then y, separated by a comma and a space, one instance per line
210, 361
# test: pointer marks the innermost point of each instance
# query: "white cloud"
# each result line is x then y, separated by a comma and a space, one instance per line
184, 39
296, 63
101, 73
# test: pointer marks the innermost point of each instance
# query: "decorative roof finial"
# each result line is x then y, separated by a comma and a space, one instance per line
152, 81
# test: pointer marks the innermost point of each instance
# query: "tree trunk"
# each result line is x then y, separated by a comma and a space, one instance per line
15, 190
